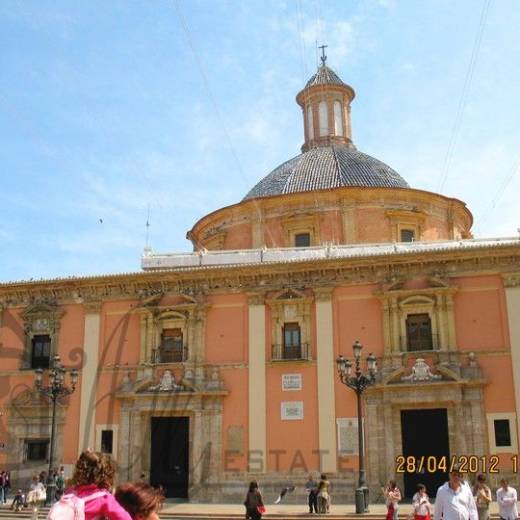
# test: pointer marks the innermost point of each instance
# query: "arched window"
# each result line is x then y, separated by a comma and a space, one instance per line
338, 119
310, 123
324, 118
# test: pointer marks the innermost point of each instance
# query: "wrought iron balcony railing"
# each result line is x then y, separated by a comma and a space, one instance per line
283, 353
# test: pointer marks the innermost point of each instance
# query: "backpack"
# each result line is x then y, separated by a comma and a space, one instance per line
71, 507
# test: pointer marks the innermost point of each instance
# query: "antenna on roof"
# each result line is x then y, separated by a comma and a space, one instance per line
147, 227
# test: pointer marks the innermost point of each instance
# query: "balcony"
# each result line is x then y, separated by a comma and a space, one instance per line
293, 353
424, 343
177, 355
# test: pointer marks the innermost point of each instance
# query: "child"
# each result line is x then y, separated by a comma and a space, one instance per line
94, 473
141, 500
18, 501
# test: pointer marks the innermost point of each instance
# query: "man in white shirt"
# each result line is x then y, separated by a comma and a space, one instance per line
454, 499
506, 498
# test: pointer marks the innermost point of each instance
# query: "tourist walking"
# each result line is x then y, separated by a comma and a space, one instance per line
311, 486
422, 509
483, 498
2, 487
392, 496
455, 500
36, 496
253, 502
507, 498
141, 500
60, 483
92, 482
323, 494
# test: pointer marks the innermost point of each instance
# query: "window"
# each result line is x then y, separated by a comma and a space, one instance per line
407, 235
291, 341
172, 348
338, 119
302, 239
41, 351
310, 123
419, 332
36, 450
324, 118
502, 432
107, 441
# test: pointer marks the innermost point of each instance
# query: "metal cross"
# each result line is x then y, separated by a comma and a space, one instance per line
323, 55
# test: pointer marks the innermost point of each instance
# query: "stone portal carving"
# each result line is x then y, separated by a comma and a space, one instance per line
421, 372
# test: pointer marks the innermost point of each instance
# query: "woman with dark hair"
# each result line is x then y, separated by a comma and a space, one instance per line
253, 502
393, 497
92, 481
323, 494
141, 500
421, 504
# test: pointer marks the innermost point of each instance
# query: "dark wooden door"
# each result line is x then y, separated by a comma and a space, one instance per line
425, 434
170, 455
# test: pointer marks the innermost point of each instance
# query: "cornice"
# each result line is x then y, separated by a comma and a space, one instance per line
271, 277
511, 279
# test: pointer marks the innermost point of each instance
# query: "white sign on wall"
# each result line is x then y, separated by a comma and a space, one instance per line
347, 435
292, 410
291, 381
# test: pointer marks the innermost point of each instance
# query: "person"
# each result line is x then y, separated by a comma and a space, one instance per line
323, 495
51, 489
36, 496
311, 487
421, 504
483, 498
18, 501
455, 500
141, 500
60, 483
94, 477
7, 485
253, 502
2, 487
392, 496
506, 498
283, 492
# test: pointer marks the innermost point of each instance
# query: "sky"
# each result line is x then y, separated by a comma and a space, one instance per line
109, 110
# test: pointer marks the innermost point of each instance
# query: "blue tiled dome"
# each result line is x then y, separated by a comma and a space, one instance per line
327, 168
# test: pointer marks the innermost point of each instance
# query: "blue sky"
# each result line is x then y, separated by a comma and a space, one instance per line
108, 107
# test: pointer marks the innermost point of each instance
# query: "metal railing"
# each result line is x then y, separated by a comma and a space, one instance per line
161, 355
283, 353
418, 344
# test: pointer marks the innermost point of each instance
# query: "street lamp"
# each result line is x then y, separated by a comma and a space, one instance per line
359, 382
55, 390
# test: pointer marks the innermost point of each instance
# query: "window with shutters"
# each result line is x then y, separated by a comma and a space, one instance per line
172, 346
292, 341
419, 332
41, 351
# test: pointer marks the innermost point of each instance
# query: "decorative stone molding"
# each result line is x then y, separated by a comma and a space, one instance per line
188, 314
406, 219
92, 306
420, 373
290, 306
511, 279
41, 317
301, 224
399, 302
256, 298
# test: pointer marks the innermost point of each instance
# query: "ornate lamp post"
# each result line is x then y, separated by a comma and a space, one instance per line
359, 382
55, 390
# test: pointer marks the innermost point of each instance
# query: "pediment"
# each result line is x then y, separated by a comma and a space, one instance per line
288, 294
417, 285
41, 308
421, 373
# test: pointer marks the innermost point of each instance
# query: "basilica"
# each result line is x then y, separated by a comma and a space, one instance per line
206, 369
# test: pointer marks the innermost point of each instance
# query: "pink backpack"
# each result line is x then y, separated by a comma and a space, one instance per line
71, 507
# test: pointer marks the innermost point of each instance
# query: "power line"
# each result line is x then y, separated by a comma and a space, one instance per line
464, 95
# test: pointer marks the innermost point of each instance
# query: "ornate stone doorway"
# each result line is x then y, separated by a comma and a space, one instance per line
169, 462
425, 439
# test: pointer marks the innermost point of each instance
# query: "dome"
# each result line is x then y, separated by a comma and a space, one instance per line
325, 76
327, 167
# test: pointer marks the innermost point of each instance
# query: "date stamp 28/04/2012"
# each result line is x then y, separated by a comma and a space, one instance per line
465, 464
